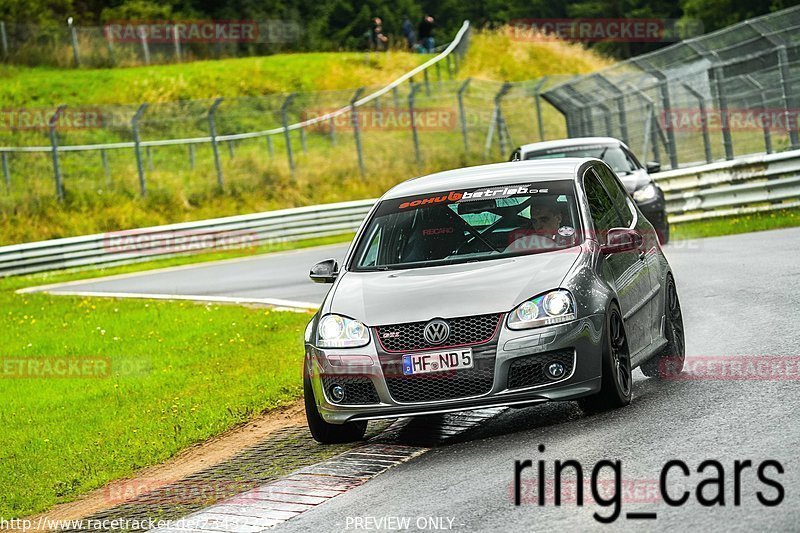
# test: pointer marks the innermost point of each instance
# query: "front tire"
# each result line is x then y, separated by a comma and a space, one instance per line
617, 382
322, 431
669, 360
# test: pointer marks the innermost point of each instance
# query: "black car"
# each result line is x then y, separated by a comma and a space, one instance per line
637, 180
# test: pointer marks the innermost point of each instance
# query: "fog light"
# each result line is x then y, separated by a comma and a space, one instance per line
555, 371
337, 393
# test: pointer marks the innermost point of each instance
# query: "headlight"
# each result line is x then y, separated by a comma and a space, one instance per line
336, 331
646, 193
551, 308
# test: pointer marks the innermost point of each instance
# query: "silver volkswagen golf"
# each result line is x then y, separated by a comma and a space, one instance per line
499, 285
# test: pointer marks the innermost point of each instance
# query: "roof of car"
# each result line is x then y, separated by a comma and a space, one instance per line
511, 173
575, 141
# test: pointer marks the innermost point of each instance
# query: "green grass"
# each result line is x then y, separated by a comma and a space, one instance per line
253, 76
254, 180
781, 218
180, 373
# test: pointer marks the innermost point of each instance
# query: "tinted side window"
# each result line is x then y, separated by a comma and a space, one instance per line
601, 206
618, 194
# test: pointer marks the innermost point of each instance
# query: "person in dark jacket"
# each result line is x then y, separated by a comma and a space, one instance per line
425, 34
409, 33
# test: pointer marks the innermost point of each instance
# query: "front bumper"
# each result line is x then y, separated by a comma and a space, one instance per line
582, 337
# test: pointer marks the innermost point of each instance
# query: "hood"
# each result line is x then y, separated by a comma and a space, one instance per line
413, 295
636, 180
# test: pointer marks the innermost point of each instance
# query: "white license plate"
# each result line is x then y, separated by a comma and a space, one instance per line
427, 363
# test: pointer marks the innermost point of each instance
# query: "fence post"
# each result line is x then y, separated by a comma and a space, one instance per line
145, 46
212, 126
462, 116
149, 153
192, 157
449, 68
786, 95
6, 172
4, 39
722, 103
303, 144
54, 145
270, 147
438, 74
427, 82
285, 123
623, 118
760, 89
138, 148
231, 149
177, 40
606, 118
414, 134
703, 118
332, 122
356, 128
667, 106
537, 91
503, 135
73, 35
396, 97
106, 170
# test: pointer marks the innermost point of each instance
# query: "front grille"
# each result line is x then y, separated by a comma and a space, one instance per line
465, 330
358, 390
528, 370
440, 385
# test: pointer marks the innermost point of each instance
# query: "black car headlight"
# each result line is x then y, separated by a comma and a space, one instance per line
336, 331
646, 193
550, 308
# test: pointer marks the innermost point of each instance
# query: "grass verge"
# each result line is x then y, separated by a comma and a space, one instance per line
147, 379
782, 218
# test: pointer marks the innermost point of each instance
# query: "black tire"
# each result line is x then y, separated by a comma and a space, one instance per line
322, 431
617, 382
669, 360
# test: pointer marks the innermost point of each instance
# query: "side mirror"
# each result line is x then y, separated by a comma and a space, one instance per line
622, 240
653, 167
324, 271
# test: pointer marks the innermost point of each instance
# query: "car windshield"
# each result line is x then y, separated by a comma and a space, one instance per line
613, 154
459, 226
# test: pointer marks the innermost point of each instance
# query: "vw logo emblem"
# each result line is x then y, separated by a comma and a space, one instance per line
436, 331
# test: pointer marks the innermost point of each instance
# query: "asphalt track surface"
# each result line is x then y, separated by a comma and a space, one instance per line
740, 297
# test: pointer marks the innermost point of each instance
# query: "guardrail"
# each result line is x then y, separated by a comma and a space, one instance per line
243, 231
751, 184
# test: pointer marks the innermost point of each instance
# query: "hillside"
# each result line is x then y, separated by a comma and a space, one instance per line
181, 183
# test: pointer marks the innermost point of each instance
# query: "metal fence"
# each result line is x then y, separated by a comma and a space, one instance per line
427, 119
756, 183
144, 43
718, 96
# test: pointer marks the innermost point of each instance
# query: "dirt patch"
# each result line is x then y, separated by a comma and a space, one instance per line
186, 463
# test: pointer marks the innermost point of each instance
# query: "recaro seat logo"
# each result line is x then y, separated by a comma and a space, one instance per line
436, 331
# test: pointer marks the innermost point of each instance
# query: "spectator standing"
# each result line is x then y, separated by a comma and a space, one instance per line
425, 33
409, 33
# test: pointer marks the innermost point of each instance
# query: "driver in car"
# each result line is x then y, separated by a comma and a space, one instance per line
544, 232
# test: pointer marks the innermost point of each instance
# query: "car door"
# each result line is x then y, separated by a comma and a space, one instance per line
626, 271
